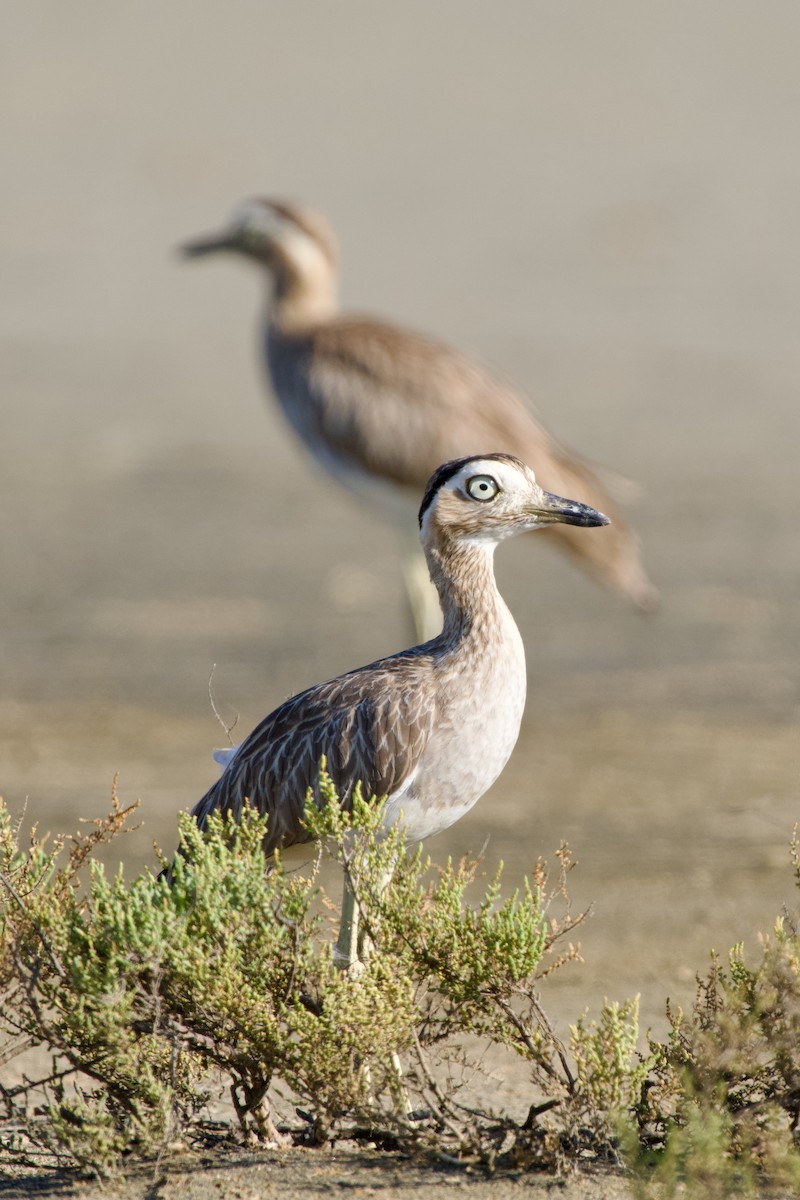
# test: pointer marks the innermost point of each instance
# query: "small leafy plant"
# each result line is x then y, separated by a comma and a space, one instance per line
144, 994
143, 991
720, 1114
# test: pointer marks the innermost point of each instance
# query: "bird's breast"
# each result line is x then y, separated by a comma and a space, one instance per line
478, 716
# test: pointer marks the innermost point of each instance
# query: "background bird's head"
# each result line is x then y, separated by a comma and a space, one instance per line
296, 245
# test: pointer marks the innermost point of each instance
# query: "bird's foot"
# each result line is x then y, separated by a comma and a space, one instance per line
353, 966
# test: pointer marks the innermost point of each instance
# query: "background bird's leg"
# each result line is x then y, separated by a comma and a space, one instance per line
423, 601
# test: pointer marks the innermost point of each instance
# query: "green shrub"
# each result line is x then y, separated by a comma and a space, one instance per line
139, 989
722, 1110
144, 993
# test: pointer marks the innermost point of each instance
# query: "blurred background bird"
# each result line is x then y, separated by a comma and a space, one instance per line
380, 406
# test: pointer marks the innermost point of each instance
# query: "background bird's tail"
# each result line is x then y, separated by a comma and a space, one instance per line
611, 556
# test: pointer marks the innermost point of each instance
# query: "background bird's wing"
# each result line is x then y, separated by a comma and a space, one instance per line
395, 404
370, 726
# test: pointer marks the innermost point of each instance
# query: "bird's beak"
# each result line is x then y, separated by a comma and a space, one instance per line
212, 244
555, 509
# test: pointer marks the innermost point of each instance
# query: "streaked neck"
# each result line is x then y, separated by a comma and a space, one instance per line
463, 575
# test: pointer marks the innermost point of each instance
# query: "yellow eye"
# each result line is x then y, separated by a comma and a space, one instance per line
482, 487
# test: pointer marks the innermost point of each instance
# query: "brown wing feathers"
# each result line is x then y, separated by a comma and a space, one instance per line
371, 727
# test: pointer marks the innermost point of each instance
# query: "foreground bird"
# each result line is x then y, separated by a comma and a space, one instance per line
381, 406
429, 728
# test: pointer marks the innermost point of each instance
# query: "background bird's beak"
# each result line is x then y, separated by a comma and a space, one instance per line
212, 244
568, 512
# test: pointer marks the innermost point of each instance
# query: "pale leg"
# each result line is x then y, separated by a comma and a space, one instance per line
346, 958
422, 598
345, 952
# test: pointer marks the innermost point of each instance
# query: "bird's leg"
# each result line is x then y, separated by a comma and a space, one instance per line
354, 945
401, 1092
365, 944
345, 952
351, 952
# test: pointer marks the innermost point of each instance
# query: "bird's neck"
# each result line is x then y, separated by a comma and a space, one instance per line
463, 575
303, 295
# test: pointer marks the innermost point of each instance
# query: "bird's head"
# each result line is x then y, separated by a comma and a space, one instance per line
487, 498
297, 246
269, 231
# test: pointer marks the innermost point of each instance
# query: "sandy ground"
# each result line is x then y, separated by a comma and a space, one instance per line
245, 1176
603, 201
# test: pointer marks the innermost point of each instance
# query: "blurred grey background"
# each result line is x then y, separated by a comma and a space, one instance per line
603, 201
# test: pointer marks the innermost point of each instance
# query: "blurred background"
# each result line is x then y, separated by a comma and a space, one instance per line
603, 201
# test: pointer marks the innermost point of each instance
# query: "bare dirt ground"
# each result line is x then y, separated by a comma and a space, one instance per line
600, 201
243, 1175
